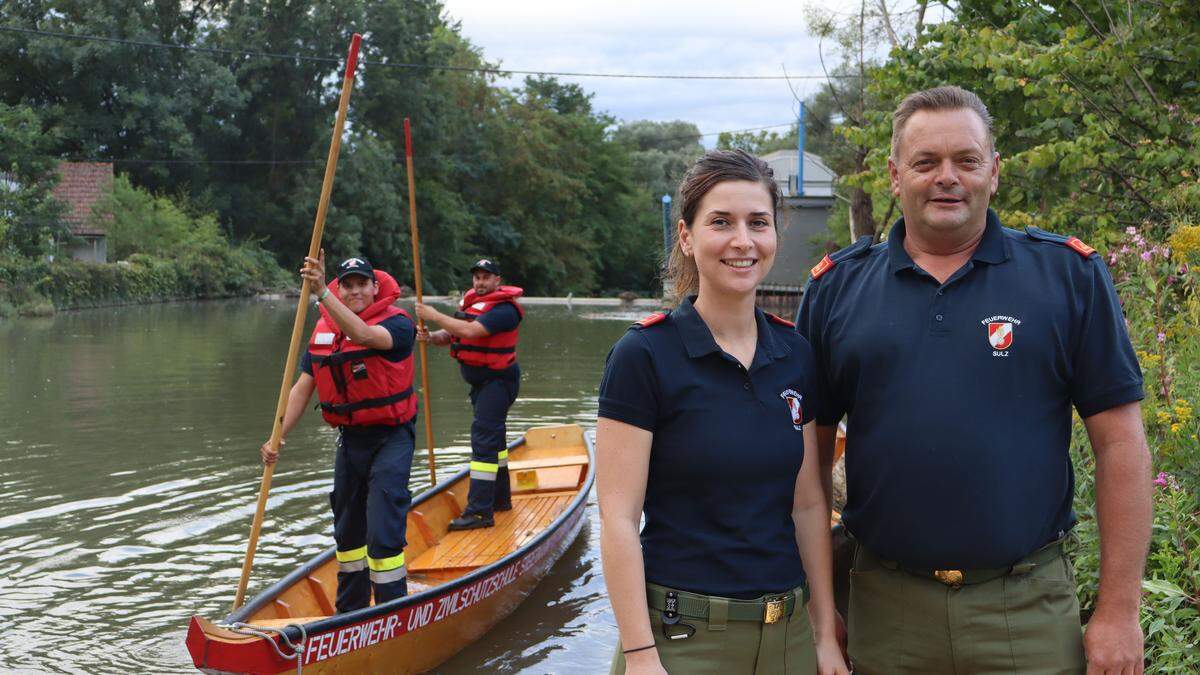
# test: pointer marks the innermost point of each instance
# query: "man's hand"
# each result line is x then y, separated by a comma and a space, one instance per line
268, 455
1114, 644
440, 337
313, 272
426, 312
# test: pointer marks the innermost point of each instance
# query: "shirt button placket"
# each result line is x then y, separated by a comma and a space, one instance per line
938, 323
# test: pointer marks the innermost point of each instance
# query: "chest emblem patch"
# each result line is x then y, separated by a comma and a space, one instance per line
1000, 331
1000, 334
793, 399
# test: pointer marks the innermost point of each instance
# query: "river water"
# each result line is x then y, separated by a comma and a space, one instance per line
129, 469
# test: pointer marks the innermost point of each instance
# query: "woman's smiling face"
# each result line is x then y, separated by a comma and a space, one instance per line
732, 237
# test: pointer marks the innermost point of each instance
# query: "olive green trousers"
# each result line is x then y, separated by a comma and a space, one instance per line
1019, 623
732, 647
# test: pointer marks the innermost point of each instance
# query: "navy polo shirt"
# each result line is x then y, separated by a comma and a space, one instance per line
726, 451
959, 394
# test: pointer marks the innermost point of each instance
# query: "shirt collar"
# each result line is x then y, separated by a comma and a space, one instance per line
699, 341
993, 247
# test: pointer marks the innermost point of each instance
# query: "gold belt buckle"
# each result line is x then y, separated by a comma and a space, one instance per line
949, 577
775, 610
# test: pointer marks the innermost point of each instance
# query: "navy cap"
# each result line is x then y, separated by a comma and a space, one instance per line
487, 266
355, 266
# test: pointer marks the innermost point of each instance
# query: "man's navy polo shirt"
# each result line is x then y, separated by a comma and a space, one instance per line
959, 394
726, 451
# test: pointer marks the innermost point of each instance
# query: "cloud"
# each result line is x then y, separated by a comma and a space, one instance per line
673, 37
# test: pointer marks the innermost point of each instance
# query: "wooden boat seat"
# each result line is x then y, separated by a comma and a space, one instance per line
547, 474
546, 462
466, 550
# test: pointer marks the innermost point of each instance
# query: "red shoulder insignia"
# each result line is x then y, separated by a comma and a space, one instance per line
1080, 247
822, 267
782, 322
651, 320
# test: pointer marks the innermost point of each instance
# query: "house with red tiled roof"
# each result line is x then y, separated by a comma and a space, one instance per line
80, 186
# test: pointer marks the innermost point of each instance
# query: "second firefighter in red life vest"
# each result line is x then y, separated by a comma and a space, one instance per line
482, 336
359, 361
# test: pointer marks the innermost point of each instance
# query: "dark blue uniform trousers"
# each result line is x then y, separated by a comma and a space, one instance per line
489, 445
370, 502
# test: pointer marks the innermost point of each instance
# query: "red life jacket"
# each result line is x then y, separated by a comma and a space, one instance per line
357, 385
497, 351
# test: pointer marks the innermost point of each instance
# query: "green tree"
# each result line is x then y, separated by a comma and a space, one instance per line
30, 218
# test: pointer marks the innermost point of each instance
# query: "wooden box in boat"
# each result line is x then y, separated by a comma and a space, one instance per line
460, 583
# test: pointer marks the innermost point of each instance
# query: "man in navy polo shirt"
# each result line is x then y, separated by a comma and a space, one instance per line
958, 348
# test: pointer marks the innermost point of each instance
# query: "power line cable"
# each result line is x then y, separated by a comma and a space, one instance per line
401, 65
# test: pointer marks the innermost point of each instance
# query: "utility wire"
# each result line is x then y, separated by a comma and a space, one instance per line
135, 160
400, 65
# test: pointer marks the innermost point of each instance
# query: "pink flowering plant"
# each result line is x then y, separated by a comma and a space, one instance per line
1155, 272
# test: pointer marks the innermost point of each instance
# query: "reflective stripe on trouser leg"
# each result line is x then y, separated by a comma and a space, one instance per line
354, 560
503, 488
502, 458
484, 471
387, 570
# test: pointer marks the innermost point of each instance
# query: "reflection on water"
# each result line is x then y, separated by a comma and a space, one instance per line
128, 474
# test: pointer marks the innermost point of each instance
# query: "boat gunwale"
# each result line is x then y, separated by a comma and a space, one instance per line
340, 620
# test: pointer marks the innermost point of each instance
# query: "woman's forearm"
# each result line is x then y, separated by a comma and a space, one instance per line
816, 552
625, 576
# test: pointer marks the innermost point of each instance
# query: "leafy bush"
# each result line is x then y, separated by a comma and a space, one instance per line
1158, 284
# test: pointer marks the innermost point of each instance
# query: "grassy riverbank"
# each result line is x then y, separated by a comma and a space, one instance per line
35, 287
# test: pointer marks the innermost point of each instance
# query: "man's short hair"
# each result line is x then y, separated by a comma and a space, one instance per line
939, 98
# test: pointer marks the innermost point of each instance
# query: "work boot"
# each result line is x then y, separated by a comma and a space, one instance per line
471, 521
503, 506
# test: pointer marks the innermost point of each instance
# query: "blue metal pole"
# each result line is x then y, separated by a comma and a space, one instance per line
666, 211
800, 152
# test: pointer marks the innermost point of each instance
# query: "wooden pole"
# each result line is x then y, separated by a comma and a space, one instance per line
416, 247
314, 248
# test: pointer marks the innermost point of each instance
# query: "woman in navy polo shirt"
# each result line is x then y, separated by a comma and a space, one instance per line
704, 418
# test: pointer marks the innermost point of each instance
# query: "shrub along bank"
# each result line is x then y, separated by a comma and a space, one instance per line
165, 251
39, 287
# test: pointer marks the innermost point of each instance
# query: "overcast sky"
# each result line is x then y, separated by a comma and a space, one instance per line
696, 37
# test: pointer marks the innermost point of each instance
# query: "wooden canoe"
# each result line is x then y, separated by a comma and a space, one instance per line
460, 584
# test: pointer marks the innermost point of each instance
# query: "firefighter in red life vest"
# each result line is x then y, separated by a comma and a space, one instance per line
359, 361
482, 335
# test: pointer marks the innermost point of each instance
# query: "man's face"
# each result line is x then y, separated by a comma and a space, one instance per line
945, 171
484, 282
357, 292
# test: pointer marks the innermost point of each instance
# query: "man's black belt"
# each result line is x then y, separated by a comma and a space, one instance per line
951, 577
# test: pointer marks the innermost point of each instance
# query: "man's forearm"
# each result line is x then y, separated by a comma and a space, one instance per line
826, 442
1124, 512
1124, 509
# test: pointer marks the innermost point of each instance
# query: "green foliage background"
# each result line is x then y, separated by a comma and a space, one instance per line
533, 176
1097, 121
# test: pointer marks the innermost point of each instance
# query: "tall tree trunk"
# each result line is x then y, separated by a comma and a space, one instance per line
862, 207
862, 214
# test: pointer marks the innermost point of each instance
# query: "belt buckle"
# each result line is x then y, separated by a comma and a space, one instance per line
949, 577
776, 608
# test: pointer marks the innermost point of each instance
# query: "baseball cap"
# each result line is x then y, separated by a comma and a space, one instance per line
487, 266
355, 266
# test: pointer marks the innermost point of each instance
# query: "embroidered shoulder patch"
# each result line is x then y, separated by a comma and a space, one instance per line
781, 321
1080, 247
651, 320
822, 267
